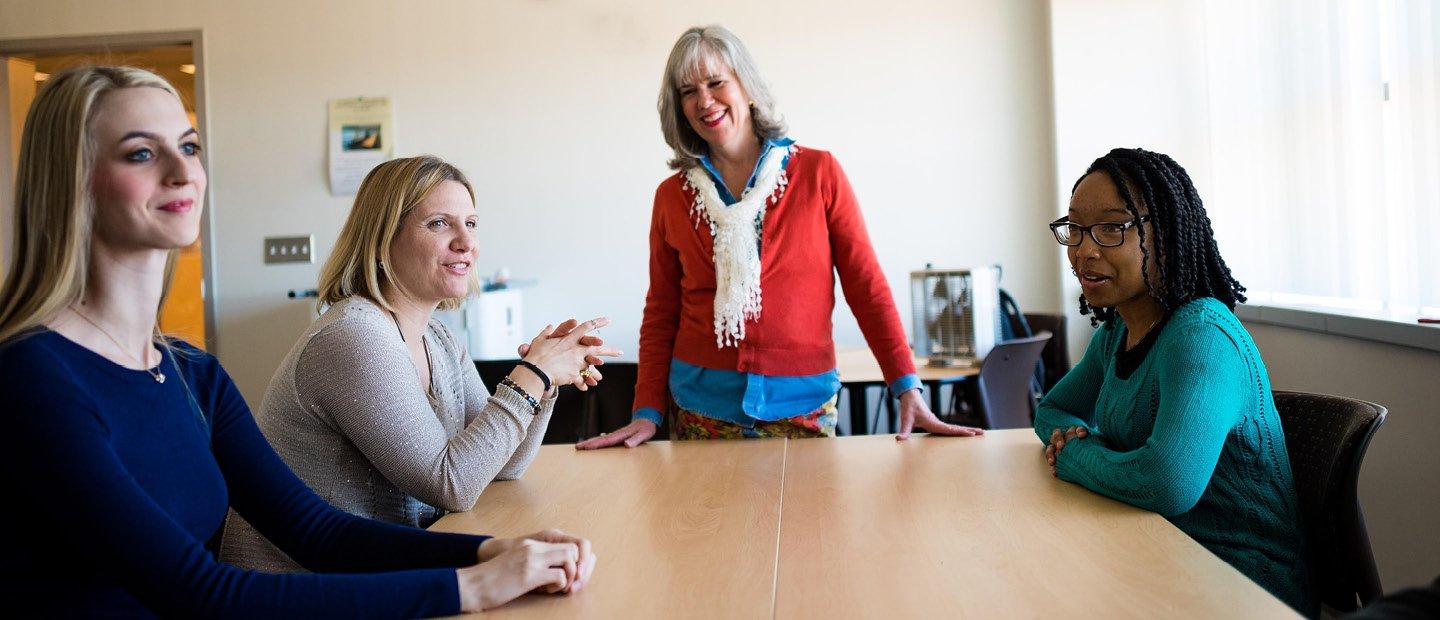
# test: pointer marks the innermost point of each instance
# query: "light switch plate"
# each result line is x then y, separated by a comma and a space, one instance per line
289, 249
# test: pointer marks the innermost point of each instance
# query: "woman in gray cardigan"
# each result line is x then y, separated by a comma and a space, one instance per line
378, 407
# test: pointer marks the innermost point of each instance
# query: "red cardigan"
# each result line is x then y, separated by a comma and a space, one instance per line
814, 231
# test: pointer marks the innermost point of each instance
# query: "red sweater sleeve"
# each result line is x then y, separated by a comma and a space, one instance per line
861, 279
662, 315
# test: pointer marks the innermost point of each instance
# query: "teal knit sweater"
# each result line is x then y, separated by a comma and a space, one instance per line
1193, 435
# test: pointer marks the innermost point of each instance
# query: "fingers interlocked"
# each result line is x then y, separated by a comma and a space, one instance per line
568, 352
1058, 438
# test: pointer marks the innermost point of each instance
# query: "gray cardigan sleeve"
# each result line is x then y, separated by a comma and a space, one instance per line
359, 377
476, 404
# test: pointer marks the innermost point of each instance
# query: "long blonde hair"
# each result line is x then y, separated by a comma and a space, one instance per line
389, 193
54, 209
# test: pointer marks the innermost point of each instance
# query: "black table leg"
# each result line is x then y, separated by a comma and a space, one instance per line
857, 409
891, 409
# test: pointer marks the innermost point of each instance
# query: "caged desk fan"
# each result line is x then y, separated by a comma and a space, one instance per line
957, 314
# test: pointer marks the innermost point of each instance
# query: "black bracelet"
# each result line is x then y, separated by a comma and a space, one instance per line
544, 378
515, 387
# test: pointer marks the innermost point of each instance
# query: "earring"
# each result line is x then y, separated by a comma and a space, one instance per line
752, 103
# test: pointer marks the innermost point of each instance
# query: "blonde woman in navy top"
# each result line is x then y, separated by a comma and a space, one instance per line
129, 447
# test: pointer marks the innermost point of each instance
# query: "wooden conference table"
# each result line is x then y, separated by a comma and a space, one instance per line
854, 527
859, 371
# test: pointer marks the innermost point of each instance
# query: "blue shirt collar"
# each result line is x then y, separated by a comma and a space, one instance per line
725, 194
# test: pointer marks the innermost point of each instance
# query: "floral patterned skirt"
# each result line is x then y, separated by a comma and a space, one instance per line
685, 424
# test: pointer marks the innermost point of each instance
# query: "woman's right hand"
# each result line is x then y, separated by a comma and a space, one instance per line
525, 565
563, 359
632, 434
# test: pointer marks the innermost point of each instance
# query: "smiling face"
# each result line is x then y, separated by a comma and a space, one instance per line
716, 106
146, 179
1109, 277
435, 246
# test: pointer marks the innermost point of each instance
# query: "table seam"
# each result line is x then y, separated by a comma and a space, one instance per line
779, 529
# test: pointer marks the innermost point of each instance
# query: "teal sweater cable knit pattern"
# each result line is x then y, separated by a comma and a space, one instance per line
1191, 434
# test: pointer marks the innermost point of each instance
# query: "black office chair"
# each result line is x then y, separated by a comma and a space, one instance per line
1326, 437
609, 404
581, 415
1003, 398
1056, 354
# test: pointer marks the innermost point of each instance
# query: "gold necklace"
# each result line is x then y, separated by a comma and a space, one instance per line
144, 364
1145, 333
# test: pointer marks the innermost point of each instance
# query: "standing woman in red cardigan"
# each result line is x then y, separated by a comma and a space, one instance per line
745, 241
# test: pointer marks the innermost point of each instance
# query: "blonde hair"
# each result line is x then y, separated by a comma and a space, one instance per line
701, 48
54, 209
387, 195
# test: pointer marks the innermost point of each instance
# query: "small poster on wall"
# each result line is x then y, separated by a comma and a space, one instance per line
362, 135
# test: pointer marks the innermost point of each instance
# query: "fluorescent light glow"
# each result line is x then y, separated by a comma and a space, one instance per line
190, 69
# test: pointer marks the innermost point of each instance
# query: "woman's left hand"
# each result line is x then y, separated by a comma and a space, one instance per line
1057, 443
915, 413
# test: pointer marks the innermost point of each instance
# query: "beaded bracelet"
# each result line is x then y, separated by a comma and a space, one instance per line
515, 387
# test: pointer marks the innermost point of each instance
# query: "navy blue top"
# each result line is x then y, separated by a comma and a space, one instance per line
118, 483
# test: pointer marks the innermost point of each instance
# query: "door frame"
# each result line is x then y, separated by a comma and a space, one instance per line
91, 44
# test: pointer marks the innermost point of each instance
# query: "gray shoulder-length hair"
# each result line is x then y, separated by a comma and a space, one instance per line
694, 51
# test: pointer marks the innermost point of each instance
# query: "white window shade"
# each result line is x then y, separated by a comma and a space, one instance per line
1325, 151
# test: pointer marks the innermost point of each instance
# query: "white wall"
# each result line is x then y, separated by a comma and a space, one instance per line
1400, 481
938, 110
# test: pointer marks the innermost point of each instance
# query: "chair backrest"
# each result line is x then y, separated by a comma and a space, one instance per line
1326, 437
1056, 354
611, 402
1015, 325
1005, 398
581, 415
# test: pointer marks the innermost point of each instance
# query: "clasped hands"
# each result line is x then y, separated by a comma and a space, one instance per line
1057, 443
550, 561
568, 353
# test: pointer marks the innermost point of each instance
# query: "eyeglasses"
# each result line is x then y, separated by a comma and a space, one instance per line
1105, 234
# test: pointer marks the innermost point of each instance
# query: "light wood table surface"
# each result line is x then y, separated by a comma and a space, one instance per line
978, 528
856, 527
680, 529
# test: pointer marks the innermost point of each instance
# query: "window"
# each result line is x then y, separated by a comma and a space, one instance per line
1325, 151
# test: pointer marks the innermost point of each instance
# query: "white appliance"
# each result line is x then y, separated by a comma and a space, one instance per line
957, 314
493, 322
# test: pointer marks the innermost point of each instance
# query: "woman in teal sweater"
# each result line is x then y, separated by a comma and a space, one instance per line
1170, 408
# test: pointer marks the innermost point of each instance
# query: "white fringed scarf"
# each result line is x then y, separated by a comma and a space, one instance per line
736, 231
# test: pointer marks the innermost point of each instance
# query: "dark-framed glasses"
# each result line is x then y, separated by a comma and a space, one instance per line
1105, 234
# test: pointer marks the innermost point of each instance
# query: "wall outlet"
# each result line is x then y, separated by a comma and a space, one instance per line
289, 249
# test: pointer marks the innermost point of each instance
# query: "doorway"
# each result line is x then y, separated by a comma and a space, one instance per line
188, 311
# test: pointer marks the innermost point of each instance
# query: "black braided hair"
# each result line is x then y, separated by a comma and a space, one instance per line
1188, 260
